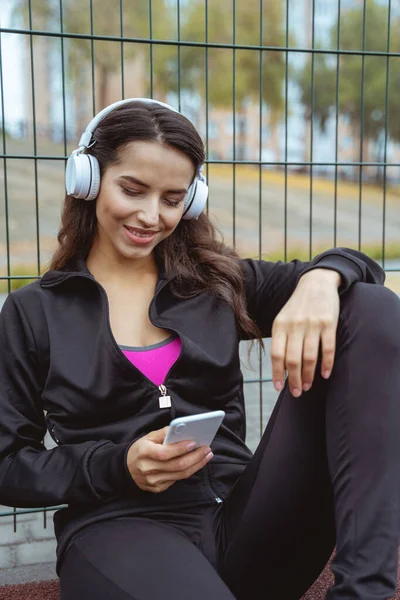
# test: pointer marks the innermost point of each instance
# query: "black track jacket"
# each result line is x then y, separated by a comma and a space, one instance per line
61, 370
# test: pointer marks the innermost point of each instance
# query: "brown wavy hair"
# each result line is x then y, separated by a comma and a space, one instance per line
193, 254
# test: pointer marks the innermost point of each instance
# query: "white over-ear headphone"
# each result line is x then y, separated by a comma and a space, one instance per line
82, 177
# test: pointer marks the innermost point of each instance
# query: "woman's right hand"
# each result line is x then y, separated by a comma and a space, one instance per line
155, 467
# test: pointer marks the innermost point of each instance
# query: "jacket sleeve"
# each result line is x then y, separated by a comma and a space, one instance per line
269, 285
30, 475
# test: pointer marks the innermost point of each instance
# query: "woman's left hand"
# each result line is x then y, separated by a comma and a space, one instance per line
309, 318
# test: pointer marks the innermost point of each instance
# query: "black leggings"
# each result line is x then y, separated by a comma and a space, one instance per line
326, 473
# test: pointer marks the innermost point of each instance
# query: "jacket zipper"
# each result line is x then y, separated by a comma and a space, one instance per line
151, 321
103, 291
174, 330
54, 435
217, 499
164, 400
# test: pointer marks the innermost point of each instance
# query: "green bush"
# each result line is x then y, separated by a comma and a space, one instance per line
392, 252
18, 271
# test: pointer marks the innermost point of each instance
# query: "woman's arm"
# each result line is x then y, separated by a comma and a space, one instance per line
30, 475
297, 304
270, 285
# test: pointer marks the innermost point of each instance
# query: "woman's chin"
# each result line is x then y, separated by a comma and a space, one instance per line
135, 252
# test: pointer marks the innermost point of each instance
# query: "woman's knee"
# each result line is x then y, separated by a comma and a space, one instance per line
375, 310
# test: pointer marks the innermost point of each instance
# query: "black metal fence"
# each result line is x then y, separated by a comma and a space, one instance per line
297, 101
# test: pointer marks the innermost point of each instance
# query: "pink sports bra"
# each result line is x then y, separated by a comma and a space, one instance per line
156, 360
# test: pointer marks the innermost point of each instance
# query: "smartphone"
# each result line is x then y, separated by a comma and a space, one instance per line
199, 428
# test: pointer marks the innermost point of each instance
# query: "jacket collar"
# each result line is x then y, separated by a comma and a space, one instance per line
78, 268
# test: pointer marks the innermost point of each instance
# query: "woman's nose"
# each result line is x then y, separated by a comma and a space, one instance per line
149, 214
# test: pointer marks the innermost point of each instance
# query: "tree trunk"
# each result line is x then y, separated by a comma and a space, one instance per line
356, 145
102, 87
242, 133
365, 149
307, 144
274, 127
82, 111
357, 151
379, 153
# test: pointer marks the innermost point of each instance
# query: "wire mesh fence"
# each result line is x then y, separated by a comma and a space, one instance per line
296, 100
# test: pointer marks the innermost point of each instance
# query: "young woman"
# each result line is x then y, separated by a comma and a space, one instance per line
138, 321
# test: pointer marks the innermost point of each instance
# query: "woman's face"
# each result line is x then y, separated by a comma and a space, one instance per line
140, 202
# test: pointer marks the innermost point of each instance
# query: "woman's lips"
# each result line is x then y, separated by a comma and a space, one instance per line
140, 236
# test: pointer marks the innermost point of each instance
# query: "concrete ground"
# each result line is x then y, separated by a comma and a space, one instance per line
44, 571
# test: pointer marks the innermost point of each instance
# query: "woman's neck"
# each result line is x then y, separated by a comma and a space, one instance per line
107, 270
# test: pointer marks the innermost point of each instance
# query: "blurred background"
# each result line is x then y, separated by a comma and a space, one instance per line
298, 105
296, 100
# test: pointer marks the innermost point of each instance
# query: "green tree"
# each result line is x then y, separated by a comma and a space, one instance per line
362, 91
220, 30
365, 104
106, 20
318, 85
107, 55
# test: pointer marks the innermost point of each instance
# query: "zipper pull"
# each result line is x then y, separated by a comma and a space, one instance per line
164, 401
54, 436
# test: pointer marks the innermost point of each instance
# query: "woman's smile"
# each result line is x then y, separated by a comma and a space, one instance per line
140, 236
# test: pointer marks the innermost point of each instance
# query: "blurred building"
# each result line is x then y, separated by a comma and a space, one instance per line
249, 136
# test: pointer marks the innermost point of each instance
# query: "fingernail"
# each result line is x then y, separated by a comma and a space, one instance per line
209, 456
190, 445
306, 387
207, 451
278, 385
326, 374
296, 392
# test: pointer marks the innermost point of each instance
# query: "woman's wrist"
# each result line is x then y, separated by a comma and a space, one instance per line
322, 275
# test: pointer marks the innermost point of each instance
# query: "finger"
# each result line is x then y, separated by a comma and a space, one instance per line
158, 488
328, 341
278, 350
156, 478
156, 450
186, 461
166, 452
177, 463
293, 361
310, 357
157, 436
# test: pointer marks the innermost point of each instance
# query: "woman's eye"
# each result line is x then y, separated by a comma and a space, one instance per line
131, 192
172, 203
137, 193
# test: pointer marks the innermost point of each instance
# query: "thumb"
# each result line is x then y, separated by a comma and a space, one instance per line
157, 436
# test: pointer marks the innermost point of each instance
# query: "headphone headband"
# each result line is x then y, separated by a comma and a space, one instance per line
87, 134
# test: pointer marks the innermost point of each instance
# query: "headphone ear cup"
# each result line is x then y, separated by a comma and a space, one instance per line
82, 176
196, 200
95, 183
